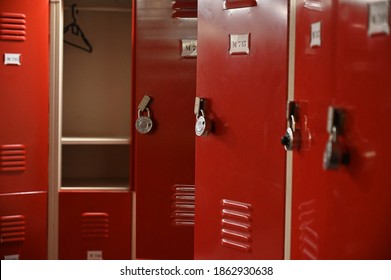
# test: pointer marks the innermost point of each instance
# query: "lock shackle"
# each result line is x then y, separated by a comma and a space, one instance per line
202, 114
140, 111
292, 123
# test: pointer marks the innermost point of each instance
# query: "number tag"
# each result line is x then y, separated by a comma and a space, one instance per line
378, 18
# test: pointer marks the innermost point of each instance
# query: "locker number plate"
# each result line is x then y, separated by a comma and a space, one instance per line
94, 255
316, 35
11, 257
189, 48
12, 59
379, 18
239, 43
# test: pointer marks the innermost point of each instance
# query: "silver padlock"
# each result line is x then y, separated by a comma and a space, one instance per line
292, 138
202, 126
144, 124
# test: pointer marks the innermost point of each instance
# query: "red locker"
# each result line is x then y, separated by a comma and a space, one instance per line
24, 79
240, 167
165, 69
93, 106
23, 226
96, 226
341, 208
24, 87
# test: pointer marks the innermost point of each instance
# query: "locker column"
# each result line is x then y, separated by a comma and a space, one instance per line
240, 167
24, 108
341, 209
93, 177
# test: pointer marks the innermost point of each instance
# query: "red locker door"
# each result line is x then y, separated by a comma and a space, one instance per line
343, 212
24, 87
23, 226
24, 46
164, 157
95, 225
240, 167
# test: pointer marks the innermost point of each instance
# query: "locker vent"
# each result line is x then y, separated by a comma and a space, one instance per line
184, 9
12, 157
12, 228
236, 225
183, 199
12, 27
95, 225
309, 237
234, 4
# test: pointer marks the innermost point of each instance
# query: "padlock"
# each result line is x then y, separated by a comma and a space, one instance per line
292, 138
202, 126
144, 124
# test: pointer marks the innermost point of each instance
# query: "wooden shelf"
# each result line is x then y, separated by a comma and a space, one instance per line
95, 141
95, 183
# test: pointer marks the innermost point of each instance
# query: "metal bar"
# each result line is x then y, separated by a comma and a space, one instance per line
289, 155
101, 9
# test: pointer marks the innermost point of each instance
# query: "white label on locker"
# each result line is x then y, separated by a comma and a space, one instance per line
316, 34
379, 18
12, 59
189, 48
94, 255
239, 43
316, 5
11, 257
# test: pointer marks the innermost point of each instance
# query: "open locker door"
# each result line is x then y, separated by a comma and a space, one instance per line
165, 70
240, 167
341, 195
24, 87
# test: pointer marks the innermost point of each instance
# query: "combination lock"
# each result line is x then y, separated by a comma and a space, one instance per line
144, 124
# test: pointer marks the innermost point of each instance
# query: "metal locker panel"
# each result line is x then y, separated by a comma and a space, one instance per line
165, 70
96, 226
23, 226
342, 213
24, 46
240, 167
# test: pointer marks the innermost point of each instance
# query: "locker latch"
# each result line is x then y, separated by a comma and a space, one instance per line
202, 126
335, 153
291, 139
144, 123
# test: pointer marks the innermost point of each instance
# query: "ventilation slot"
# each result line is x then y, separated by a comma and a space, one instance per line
12, 27
12, 157
185, 9
95, 225
12, 228
234, 4
183, 205
236, 225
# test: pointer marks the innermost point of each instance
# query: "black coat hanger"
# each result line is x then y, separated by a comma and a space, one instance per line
76, 30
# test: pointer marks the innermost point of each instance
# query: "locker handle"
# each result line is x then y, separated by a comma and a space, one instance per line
336, 153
